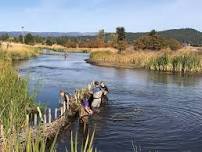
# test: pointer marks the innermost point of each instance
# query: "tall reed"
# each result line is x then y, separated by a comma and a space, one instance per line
179, 61
176, 62
14, 97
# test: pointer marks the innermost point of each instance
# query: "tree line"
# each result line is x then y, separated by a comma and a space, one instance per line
120, 40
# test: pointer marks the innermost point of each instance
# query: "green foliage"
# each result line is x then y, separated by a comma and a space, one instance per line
20, 39
14, 97
29, 39
184, 62
49, 42
188, 36
153, 33
101, 38
4, 37
155, 42
121, 34
121, 39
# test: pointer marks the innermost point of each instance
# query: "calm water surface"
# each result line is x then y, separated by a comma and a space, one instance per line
155, 111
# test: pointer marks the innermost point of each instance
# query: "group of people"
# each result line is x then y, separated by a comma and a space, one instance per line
92, 101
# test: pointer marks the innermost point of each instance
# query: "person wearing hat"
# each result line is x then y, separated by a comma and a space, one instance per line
97, 96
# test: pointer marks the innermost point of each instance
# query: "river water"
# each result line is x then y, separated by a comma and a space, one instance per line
150, 110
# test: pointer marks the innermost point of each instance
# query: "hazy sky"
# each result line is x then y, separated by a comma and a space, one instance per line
92, 15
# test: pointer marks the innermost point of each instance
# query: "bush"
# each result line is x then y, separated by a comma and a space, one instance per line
155, 42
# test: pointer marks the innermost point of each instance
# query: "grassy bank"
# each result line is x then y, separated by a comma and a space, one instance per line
184, 60
14, 96
14, 102
59, 48
17, 51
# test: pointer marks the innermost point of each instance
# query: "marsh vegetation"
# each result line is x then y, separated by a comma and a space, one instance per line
167, 60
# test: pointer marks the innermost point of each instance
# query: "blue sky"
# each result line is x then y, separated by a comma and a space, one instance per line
92, 15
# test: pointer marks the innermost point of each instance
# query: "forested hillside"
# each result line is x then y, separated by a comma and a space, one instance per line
190, 36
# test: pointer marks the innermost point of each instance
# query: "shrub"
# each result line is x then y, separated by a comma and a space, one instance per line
155, 42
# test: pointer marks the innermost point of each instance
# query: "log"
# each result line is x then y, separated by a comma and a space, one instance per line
50, 129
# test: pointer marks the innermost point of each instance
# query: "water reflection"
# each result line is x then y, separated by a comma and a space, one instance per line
183, 80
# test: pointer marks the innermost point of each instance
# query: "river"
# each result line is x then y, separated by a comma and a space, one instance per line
154, 111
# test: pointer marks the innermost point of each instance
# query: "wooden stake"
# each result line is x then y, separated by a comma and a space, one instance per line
44, 117
1, 130
49, 115
56, 113
61, 111
27, 120
35, 119
67, 106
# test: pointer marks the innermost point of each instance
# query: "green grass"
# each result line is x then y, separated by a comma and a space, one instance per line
14, 98
181, 62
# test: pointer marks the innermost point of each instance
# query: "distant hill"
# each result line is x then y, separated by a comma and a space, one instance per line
51, 34
186, 35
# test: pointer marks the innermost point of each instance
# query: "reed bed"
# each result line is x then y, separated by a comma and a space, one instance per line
182, 61
17, 51
136, 59
165, 60
14, 97
42, 144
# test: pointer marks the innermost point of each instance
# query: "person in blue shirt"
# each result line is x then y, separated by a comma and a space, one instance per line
85, 110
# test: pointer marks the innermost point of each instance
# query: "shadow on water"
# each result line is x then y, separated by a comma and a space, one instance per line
157, 111
174, 78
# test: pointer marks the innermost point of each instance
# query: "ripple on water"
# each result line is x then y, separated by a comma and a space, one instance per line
157, 111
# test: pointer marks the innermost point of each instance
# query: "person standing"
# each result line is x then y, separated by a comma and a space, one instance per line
105, 91
97, 95
65, 97
85, 111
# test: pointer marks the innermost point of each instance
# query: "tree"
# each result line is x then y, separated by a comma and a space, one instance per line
4, 37
29, 39
121, 35
121, 39
153, 33
155, 43
20, 38
49, 42
101, 38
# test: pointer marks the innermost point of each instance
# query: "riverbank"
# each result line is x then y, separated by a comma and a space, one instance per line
185, 60
16, 102
17, 51
15, 98
60, 48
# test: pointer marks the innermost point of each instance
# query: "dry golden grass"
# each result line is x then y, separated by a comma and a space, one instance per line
17, 51
183, 60
138, 59
61, 48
